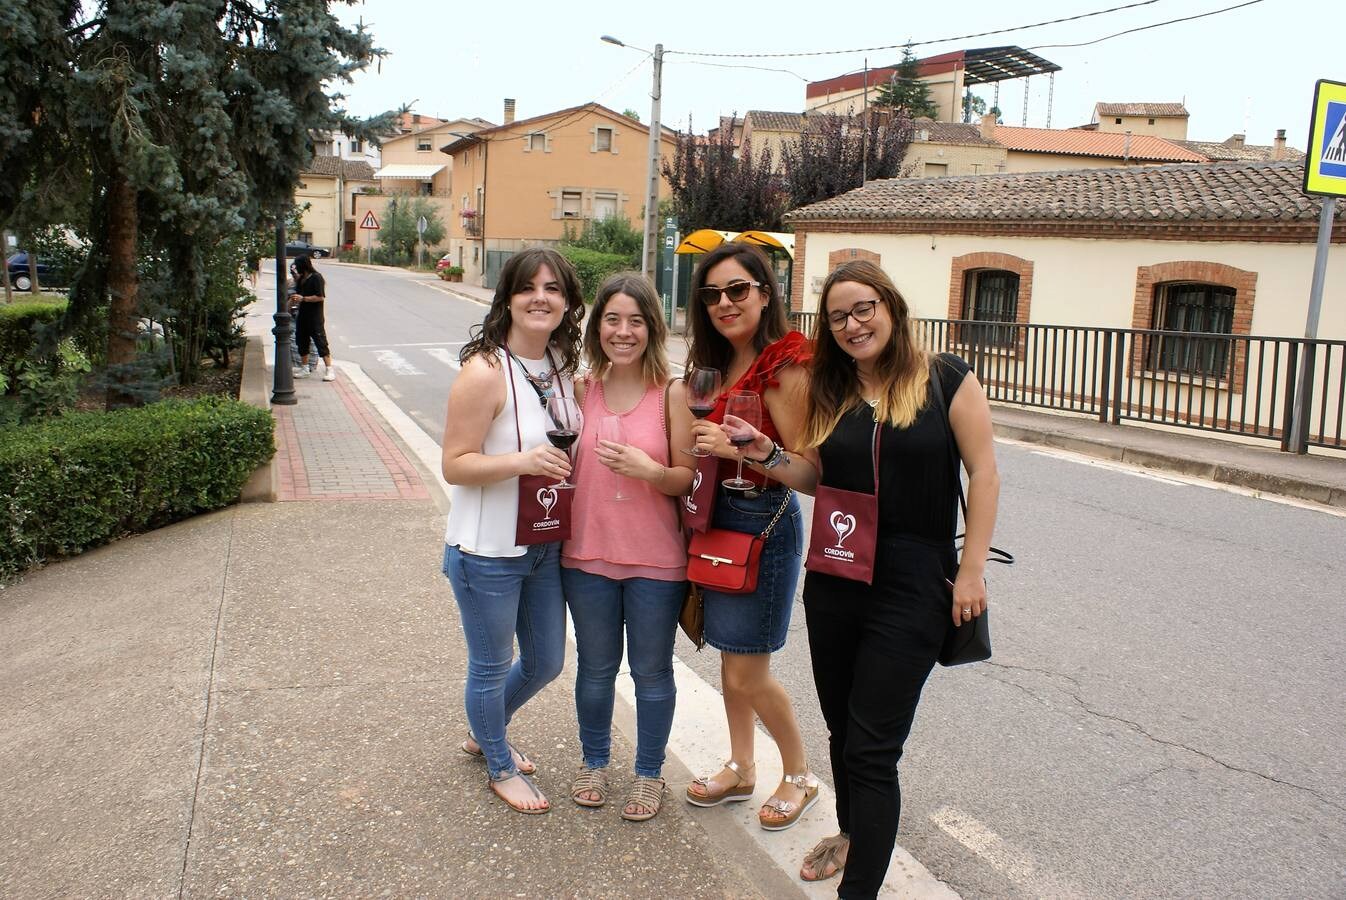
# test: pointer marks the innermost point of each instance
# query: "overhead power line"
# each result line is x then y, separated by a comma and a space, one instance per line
1109, 37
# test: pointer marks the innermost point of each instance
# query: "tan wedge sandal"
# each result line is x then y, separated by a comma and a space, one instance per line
789, 812
739, 791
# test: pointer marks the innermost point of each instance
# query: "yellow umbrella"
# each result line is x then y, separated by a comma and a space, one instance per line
704, 241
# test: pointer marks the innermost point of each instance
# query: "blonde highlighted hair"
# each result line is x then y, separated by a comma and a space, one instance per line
654, 363
902, 369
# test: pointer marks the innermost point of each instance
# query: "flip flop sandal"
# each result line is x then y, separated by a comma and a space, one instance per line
590, 781
790, 812
735, 794
647, 794
527, 811
824, 854
525, 765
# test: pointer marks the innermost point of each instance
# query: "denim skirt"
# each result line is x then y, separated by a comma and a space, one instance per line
758, 622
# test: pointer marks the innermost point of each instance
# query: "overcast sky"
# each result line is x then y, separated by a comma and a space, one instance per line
1251, 68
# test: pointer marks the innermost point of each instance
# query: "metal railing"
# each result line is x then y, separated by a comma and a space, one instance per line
1232, 384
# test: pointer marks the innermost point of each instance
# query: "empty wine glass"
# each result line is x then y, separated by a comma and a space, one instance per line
747, 406
564, 428
703, 387
610, 429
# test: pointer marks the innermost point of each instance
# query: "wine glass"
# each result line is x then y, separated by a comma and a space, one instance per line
610, 429
564, 428
703, 386
745, 405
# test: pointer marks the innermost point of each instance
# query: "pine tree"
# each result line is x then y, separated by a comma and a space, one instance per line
905, 93
167, 125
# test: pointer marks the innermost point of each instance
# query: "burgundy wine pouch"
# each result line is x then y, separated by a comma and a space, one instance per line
543, 511
845, 529
698, 505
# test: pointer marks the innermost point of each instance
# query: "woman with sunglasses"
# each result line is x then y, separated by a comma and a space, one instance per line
871, 396
738, 326
625, 569
504, 565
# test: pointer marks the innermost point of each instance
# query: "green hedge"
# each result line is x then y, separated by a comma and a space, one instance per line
83, 479
17, 324
592, 267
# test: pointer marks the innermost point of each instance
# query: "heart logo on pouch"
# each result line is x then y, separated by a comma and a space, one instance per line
843, 525
546, 498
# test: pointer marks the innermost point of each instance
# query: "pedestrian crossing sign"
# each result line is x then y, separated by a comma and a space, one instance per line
370, 221
1325, 165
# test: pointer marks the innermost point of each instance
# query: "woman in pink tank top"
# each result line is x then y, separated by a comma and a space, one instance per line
625, 565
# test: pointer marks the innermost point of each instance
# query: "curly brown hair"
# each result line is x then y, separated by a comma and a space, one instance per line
489, 337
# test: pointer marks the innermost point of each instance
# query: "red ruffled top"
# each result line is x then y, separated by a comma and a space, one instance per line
793, 349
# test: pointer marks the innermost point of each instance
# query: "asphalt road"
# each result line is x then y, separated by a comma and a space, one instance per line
1164, 714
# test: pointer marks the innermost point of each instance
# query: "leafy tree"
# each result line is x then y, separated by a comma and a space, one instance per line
397, 228
615, 235
905, 93
631, 114
169, 125
974, 107
836, 154
713, 187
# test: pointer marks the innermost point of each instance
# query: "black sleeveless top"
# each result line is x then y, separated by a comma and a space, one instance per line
918, 495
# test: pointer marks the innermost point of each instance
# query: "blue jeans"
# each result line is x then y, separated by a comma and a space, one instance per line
500, 598
649, 609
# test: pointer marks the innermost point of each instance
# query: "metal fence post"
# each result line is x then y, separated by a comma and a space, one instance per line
1107, 374
1288, 413
1117, 378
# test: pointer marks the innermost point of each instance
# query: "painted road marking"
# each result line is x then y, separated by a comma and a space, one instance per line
397, 362
444, 356
991, 849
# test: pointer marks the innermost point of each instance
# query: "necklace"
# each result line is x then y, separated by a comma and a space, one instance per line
541, 381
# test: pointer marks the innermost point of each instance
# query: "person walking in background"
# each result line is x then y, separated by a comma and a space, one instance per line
310, 291
502, 560
624, 568
873, 645
738, 327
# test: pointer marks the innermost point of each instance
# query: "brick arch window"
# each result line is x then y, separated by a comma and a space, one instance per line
1193, 297
995, 288
837, 257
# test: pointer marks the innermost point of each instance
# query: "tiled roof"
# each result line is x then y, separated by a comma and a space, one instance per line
1111, 145
332, 166
1224, 151
765, 120
1265, 192
951, 133
1141, 109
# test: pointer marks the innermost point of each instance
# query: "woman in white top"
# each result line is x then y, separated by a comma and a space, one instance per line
506, 577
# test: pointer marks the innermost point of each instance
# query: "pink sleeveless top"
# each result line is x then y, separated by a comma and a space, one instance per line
635, 538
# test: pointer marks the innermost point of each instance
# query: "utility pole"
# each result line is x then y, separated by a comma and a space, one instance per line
650, 245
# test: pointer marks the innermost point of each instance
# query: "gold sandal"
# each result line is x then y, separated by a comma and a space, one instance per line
736, 793
646, 794
788, 810
824, 854
590, 781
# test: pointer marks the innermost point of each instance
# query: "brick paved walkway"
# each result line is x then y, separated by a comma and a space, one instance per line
332, 445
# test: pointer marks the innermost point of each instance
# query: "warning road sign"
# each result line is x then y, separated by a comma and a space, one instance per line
370, 221
1325, 167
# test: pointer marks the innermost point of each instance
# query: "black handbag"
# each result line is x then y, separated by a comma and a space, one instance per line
970, 641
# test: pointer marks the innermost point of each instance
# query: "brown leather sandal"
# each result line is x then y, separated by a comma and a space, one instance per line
735, 793
590, 781
824, 854
789, 811
647, 795
521, 760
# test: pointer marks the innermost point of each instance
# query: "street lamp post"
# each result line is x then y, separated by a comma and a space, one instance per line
282, 388
650, 243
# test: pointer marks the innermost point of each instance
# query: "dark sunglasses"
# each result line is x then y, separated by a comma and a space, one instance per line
736, 291
861, 312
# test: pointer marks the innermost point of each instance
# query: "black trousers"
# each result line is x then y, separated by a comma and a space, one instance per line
872, 649
310, 325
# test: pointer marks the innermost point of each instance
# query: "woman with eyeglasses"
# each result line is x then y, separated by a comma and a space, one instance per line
738, 326
871, 398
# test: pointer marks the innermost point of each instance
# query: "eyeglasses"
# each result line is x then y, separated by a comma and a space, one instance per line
736, 291
861, 312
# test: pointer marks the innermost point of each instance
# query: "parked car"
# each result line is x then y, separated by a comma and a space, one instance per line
20, 278
304, 248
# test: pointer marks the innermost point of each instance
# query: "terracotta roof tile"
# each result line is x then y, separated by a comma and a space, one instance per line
1222, 151
1077, 142
951, 133
766, 120
1141, 109
1228, 192
331, 166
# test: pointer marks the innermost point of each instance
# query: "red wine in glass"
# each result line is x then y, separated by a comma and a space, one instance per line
564, 428
746, 406
703, 387
562, 438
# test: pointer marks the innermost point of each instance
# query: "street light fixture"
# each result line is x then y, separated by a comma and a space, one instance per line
650, 242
